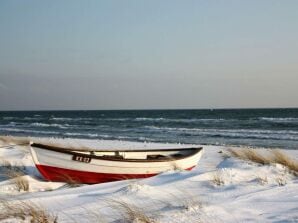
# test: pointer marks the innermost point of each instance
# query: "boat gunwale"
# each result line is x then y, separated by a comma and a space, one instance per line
72, 152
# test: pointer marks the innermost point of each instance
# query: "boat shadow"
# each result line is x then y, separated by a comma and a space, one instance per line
8, 172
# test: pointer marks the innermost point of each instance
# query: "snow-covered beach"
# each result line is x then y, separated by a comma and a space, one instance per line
148, 111
221, 188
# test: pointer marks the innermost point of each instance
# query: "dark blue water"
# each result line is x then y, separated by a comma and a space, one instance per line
254, 127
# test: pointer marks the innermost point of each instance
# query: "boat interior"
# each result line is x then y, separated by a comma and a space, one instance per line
143, 155
133, 155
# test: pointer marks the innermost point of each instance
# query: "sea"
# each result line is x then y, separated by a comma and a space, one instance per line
272, 128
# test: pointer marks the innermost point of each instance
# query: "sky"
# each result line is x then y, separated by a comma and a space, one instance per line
136, 54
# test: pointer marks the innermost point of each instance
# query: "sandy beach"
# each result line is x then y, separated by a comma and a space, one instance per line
222, 188
81, 78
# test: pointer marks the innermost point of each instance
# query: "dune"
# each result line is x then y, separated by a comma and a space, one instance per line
224, 187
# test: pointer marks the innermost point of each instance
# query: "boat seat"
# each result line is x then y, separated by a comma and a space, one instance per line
119, 157
177, 155
155, 157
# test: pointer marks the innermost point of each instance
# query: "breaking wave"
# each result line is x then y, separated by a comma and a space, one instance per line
31, 131
258, 127
189, 120
38, 124
8, 118
233, 133
279, 120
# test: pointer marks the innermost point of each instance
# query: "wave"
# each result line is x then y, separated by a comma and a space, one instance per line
31, 131
117, 119
105, 136
261, 131
61, 119
70, 119
32, 118
143, 119
233, 133
95, 135
224, 130
148, 119
12, 124
8, 118
91, 135
184, 120
38, 124
279, 120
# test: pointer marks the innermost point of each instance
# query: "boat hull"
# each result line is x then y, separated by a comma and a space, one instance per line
51, 173
61, 167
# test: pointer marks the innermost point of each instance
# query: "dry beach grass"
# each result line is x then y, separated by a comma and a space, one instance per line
217, 178
25, 210
21, 183
15, 174
250, 155
283, 159
272, 156
172, 197
130, 212
12, 140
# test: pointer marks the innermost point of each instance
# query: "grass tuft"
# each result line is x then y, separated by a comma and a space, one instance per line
283, 159
250, 155
71, 182
8, 140
237, 153
25, 211
15, 174
217, 179
187, 201
281, 181
131, 213
263, 180
274, 156
6, 167
21, 183
255, 156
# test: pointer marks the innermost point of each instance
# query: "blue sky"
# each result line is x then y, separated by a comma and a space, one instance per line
148, 54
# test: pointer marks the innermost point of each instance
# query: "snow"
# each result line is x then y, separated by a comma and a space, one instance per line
249, 192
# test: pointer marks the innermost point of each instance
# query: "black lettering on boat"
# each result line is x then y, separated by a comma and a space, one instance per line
81, 158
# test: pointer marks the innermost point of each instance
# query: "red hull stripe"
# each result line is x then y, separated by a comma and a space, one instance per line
66, 175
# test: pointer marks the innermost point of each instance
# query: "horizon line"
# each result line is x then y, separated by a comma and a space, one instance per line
151, 109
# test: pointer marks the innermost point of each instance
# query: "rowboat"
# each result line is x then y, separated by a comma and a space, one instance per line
98, 166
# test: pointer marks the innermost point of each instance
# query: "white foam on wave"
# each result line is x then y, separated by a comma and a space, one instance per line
279, 120
30, 131
144, 119
264, 131
32, 118
61, 119
8, 118
185, 120
237, 133
148, 119
39, 124
91, 135
117, 119
70, 119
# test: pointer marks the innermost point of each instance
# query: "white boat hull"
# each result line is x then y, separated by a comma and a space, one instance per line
60, 166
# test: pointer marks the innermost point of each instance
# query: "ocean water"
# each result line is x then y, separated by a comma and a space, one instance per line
252, 127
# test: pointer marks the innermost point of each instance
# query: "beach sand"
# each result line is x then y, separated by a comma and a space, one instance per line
221, 188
